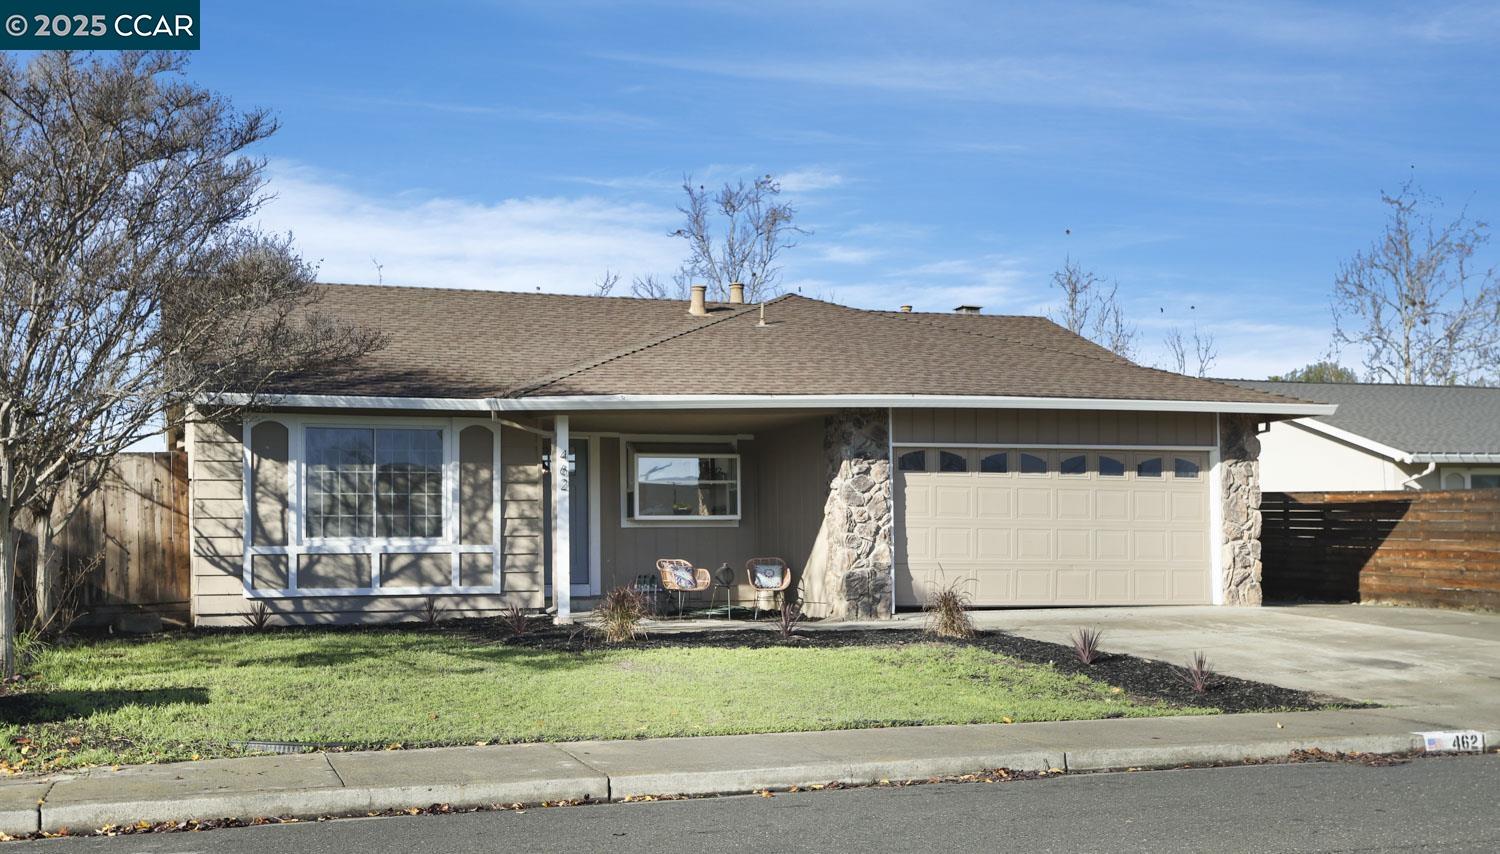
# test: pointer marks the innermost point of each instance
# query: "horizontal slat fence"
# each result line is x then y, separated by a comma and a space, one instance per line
1432, 549
132, 536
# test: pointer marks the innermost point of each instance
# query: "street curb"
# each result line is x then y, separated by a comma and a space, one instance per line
309, 803
599, 786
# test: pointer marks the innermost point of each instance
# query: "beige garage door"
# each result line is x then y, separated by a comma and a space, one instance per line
1053, 527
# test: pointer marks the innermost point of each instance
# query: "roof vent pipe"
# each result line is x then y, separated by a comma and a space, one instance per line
697, 306
906, 309
736, 293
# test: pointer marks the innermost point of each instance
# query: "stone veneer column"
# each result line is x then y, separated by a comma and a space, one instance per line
855, 573
1239, 450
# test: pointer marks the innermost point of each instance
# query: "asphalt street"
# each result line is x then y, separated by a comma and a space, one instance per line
1437, 804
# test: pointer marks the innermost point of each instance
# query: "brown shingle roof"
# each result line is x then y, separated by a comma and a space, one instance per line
457, 343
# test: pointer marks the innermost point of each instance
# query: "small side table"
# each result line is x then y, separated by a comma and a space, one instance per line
723, 580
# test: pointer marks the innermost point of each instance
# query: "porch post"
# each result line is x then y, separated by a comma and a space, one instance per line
562, 563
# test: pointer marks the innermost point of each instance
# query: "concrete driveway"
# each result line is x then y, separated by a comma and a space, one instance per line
1390, 656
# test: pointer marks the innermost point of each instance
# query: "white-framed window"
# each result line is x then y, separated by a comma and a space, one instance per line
684, 486
352, 505
369, 482
1471, 478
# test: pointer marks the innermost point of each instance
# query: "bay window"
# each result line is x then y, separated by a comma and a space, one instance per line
374, 482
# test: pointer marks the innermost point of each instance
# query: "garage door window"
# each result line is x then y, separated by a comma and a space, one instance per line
1111, 467
1149, 467
1075, 465
912, 461
1033, 464
1185, 469
994, 464
949, 461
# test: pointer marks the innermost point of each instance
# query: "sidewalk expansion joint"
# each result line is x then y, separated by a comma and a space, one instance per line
609, 783
340, 777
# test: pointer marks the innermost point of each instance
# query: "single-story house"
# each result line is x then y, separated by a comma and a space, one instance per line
534, 450
1383, 437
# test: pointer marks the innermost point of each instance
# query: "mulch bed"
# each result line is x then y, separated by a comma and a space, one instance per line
1141, 678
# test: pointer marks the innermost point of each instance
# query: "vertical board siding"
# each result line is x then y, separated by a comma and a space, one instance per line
1052, 427
130, 537
784, 485
1430, 549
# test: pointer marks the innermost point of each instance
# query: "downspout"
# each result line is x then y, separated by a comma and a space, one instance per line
1411, 482
494, 404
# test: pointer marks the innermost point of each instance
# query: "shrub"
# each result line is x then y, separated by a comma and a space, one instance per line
1197, 673
791, 614
513, 618
432, 612
947, 613
1086, 645
258, 617
620, 612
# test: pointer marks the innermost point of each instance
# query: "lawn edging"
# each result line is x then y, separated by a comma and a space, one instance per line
309, 786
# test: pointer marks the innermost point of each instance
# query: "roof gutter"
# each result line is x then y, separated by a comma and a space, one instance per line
1396, 454
1455, 458
605, 402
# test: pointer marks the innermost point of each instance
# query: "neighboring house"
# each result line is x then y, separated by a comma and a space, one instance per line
1031, 466
1383, 437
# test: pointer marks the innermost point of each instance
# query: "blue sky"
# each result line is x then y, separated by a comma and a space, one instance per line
1218, 162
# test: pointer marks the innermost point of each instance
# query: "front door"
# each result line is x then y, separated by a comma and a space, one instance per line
581, 548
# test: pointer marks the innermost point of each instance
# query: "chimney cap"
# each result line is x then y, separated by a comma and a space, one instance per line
906, 309
696, 304
736, 293
968, 309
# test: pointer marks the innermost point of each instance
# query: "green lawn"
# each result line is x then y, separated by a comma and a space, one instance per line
176, 698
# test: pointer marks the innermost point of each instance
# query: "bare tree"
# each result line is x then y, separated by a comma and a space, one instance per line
1199, 357
605, 284
1414, 304
131, 285
734, 234
1091, 308
653, 286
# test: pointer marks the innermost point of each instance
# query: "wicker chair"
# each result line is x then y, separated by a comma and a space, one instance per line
758, 581
668, 567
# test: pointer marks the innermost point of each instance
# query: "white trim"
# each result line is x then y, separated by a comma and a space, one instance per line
595, 402
635, 482
247, 483
1355, 439
298, 544
1466, 473
625, 441
562, 552
1023, 446
1474, 459
497, 509
1216, 519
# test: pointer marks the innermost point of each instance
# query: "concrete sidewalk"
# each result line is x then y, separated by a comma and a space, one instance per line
312, 785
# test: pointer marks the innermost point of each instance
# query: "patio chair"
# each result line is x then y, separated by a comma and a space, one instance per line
768, 575
681, 577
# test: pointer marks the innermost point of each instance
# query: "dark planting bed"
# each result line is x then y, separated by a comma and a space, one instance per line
1138, 677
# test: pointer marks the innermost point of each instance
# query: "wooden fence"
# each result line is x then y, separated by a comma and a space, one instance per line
1434, 549
132, 538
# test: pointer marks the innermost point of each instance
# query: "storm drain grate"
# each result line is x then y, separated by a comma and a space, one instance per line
288, 747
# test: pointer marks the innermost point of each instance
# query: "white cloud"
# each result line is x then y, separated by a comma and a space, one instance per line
1191, 89
557, 244
809, 180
